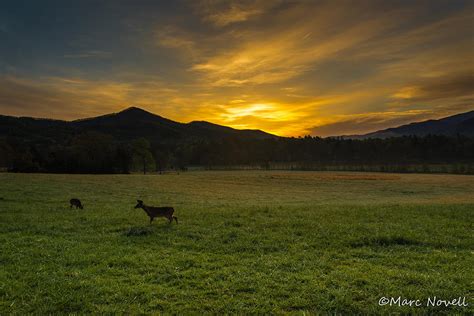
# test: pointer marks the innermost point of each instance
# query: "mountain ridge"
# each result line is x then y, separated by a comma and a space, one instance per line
134, 122
130, 123
462, 123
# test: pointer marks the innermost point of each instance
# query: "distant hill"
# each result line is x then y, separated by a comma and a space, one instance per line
126, 125
133, 123
457, 124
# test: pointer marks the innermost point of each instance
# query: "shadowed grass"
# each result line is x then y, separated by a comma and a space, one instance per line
387, 242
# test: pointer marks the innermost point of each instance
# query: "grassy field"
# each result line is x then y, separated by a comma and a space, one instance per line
247, 242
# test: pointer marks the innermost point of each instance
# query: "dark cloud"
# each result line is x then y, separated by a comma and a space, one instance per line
366, 124
458, 85
23, 97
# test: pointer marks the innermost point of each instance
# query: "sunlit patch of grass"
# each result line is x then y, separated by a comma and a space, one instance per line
335, 176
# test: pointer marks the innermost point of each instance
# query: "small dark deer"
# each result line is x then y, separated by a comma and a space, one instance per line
76, 202
152, 211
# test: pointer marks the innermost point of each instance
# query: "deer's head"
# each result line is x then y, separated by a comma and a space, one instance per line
139, 204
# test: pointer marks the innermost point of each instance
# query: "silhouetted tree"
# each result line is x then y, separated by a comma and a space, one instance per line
141, 148
93, 152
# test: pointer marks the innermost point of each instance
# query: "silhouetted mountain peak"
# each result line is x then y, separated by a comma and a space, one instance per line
134, 112
134, 122
132, 109
129, 116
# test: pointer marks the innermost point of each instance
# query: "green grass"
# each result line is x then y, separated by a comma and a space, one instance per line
247, 242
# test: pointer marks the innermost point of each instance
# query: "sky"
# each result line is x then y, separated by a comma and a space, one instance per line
291, 68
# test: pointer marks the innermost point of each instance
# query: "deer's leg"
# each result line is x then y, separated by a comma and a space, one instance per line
176, 219
151, 219
170, 219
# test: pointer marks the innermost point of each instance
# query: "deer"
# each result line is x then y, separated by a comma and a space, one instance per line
153, 211
76, 203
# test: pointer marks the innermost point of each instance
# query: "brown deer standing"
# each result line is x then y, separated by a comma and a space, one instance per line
153, 211
76, 202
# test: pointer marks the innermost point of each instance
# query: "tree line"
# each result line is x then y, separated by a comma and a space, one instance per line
93, 152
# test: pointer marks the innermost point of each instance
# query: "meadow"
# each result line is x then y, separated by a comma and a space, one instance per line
247, 242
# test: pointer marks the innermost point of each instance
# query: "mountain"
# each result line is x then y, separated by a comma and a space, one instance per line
457, 124
128, 124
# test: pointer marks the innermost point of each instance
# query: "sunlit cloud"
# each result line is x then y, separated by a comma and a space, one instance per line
223, 13
266, 58
232, 15
406, 93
